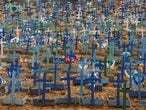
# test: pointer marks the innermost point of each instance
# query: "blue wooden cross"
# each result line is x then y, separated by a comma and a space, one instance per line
131, 43
93, 49
116, 39
138, 79
122, 10
54, 85
108, 34
44, 88
35, 70
13, 72
68, 78
67, 33
55, 11
44, 6
125, 59
28, 41
93, 55
143, 47
41, 41
83, 64
99, 64
124, 47
97, 35
85, 40
130, 72
93, 80
118, 81
126, 56
65, 40
64, 45
55, 69
17, 70
106, 11
71, 53
37, 74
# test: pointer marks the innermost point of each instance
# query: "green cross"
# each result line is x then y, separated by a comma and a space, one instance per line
111, 51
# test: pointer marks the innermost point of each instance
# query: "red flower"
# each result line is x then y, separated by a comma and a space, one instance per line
74, 59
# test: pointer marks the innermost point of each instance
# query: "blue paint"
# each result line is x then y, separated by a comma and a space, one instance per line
1, 81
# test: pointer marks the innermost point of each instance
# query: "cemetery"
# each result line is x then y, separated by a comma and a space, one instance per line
73, 54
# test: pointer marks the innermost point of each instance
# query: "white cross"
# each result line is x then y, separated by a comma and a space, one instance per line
89, 3
1, 43
136, 22
103, 18
2, 52
142, 32
127, 23
74, 33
